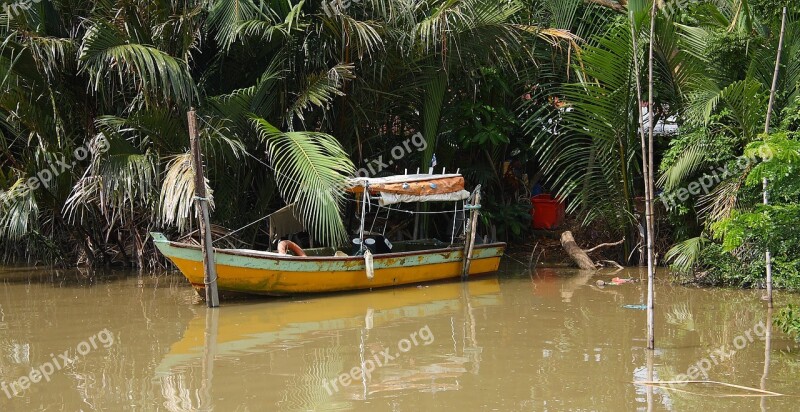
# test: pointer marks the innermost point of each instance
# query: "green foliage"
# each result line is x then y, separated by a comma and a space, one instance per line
327, 84
788, 320
781, 159
771, 10
488, 126
717, 267
684, 256
747, 233
736, 44
791, 116
728, 49
312, 171
513, 221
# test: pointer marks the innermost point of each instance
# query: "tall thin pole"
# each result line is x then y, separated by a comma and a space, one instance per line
638, 75
767, 357
765, 183
201, 206
651, 341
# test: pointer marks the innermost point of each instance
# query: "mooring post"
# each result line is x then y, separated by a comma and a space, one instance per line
469, 239
201, 206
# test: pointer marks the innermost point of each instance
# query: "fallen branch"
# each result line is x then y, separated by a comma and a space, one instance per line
575, 252
580, 256
602, 245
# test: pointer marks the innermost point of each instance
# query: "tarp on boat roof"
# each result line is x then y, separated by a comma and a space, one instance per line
424, 187
393, 198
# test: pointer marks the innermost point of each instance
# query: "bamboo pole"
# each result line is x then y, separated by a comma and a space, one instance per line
649, 195
767, 357
643, 137
201, 206
469, 239
765, 183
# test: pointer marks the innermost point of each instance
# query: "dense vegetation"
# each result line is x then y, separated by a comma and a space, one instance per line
323, 88
293, 96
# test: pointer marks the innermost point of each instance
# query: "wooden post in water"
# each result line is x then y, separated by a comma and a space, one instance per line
209, 352
469, 238
766, 131
201, 206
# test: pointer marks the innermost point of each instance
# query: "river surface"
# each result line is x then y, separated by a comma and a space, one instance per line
549, 340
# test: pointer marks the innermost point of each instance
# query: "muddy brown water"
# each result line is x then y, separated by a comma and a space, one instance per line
549, 340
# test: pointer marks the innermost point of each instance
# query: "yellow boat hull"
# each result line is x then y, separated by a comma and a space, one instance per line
257, 272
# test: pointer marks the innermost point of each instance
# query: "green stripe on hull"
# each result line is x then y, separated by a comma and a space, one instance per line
283, 263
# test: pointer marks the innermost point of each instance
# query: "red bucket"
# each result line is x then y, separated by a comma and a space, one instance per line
547, 213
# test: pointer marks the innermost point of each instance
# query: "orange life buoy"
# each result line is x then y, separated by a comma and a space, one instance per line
288, 244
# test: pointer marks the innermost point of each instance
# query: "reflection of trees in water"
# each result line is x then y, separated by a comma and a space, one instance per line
698, 322
48, 311
680, 315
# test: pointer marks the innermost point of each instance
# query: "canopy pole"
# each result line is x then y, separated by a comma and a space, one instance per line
469, 239
209, 265
455, 214
364, 200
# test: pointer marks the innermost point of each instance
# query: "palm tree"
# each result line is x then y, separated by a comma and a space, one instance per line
726, 109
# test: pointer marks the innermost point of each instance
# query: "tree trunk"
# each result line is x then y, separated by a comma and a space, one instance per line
575, 252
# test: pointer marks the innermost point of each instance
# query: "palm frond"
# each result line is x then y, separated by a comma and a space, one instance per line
721, 201
311, 170
106, 53
684, 255
177, 193
688, 163
226, 16
320, 90
19, 212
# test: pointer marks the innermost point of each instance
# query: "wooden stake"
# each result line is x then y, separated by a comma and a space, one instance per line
201, 206
209, 352
766, 131
469, 239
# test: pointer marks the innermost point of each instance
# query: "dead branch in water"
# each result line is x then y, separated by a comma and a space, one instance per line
602, 245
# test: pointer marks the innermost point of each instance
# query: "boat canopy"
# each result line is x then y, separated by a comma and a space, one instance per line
412, 188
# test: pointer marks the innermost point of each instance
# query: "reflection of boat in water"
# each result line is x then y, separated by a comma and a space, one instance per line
323, 331
320, 270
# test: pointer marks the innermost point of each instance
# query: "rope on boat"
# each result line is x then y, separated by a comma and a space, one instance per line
243, 227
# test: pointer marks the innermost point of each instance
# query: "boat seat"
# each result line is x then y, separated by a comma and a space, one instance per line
378, 246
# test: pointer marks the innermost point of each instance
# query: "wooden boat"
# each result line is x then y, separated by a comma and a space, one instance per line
263, 272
